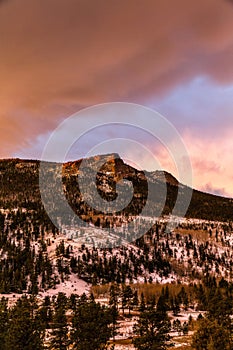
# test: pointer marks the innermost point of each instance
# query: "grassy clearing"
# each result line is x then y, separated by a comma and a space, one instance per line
100, 290
148, 289
200, 235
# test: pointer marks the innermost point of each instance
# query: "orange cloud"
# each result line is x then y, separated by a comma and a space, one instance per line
60, 56
88, 52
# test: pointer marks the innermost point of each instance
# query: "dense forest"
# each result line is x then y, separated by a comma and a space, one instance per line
79, 322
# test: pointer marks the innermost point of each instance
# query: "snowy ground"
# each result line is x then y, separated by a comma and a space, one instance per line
72, 286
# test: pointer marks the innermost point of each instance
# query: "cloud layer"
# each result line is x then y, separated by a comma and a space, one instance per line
60, 56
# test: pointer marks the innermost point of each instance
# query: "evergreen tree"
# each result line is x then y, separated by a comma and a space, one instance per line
24, 331
211, 336
177, 326
3, 322
127, 296
142, 306
91, 326
183, 297
215, 329
73, 301
59, 334
113, 302
152, 331
135, 300
113, 295
176, 306
45, 312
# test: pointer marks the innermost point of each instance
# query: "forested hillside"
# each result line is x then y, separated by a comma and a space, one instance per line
181, 277
19, 188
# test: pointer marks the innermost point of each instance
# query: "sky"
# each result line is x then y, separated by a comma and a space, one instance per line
176, 57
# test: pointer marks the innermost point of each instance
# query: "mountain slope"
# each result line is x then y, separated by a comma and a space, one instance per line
35, 256
19, 188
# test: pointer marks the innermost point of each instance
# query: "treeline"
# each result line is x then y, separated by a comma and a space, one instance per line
213, 329
79, 322
196, 297
57, 323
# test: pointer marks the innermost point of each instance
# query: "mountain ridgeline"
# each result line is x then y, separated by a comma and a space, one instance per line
19, 188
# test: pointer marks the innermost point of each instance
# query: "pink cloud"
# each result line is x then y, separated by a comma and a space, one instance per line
58, 57
84, 53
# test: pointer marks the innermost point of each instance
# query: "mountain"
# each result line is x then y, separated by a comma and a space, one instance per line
37, 256
19, 188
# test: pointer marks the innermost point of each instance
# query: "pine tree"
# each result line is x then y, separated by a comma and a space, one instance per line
25, 331
45, 312
59, 334
127, 296
3, 322
184, 298
91, 326
215, 329
177, 326
142, 306
211, 335
73, 301
152, 331
113, 303
176, 306
113, 295
135, 300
